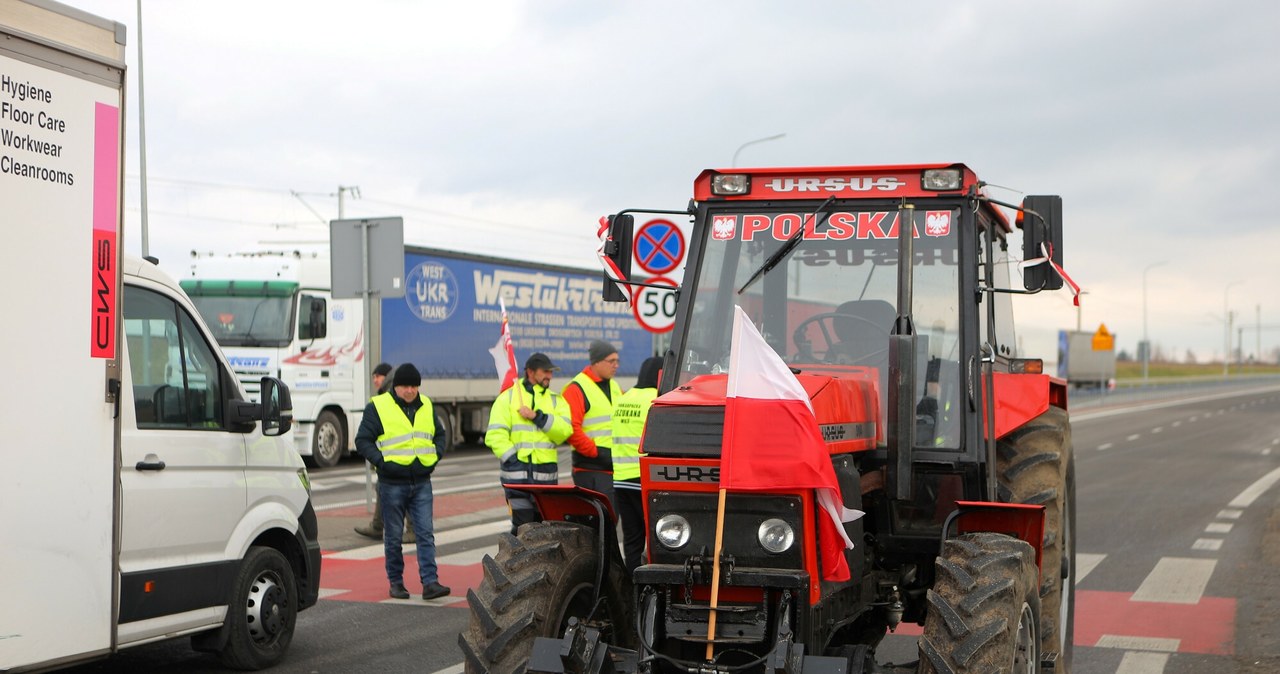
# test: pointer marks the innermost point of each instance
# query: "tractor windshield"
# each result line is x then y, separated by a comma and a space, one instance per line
828, 306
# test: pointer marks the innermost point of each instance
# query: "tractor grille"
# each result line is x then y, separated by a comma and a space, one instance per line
684, 431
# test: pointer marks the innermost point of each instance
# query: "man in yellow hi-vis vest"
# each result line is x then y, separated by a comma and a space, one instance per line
398, 435
526, 424
629, 414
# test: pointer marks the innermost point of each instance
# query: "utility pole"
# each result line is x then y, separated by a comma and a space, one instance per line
355, 192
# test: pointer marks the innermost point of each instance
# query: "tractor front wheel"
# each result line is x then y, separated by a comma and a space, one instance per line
984, 608
537, 582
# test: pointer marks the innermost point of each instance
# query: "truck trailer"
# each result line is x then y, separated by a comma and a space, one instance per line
273, 313
146, 496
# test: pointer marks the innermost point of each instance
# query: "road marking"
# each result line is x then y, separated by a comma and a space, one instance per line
1086, 562
1133, 437
1157, 429
442, 539
1249, 495
1266, 452
1138, 643
1229, 514
1194, 418
467, 557
1104, 446
456, 669
1143, 663
1177, 424
1218, 528
1176, 580
1207, 544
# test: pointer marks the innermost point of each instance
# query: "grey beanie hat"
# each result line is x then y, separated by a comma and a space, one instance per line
599, 350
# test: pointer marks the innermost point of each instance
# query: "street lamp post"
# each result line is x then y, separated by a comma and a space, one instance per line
1146, 344
1226, 329
752, 142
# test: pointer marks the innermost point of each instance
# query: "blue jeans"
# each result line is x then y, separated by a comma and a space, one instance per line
396, 499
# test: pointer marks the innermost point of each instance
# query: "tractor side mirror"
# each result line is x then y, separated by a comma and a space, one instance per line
1041, 218
618, 251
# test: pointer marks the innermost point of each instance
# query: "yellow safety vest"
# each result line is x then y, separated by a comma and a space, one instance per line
629, 415
403, 442
597, 423
511, 435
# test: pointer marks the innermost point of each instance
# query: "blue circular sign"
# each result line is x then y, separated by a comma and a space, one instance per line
659, 246
431, 291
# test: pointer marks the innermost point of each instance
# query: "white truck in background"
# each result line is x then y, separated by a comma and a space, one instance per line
1082, 365
145, 496
273, 314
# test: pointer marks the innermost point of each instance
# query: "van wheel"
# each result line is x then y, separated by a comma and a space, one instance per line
262, 613
328, 440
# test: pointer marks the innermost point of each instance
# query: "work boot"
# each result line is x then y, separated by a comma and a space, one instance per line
398, 591
435, 591
374, 528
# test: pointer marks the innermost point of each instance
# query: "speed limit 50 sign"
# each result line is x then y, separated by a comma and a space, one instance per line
655, 308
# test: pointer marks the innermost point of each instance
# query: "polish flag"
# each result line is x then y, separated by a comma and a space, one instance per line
772, 440
504, 353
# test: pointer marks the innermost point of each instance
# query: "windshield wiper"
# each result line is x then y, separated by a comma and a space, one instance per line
789, 246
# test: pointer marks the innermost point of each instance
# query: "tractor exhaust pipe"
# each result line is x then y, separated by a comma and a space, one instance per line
902, 366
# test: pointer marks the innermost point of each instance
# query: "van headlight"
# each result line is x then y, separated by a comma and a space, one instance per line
776, 535
672, 531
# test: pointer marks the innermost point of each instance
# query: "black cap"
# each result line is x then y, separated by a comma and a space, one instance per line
407, 375
540, 361
383, 369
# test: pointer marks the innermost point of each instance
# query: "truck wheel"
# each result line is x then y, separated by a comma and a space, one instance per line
984, 608
262, 612
537, 582
1035, 465
328, 441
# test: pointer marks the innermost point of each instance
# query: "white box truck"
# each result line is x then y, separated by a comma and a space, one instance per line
145, 496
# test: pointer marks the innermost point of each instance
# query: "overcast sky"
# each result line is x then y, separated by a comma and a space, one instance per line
509, 127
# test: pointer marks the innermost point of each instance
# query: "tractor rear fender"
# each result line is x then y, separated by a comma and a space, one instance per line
568, 503
1019, 520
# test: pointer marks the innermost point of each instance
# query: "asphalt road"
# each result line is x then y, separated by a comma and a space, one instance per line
1178, 515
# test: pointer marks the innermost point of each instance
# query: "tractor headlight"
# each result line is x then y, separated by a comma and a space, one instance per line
672, 531
941, 180
776, 535
730, 184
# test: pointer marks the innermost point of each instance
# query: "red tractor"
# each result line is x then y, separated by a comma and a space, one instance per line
956, 447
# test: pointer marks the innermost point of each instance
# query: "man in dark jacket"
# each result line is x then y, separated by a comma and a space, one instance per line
398, 436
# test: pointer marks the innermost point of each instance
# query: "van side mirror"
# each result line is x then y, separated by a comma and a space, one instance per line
311, 324
1042, 229
277, 407
618, 251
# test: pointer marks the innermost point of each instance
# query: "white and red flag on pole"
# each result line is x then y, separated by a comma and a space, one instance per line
504, 353
772, 440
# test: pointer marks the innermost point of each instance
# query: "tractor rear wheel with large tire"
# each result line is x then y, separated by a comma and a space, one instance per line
984, 608
328, 440
537, 582
1035, 465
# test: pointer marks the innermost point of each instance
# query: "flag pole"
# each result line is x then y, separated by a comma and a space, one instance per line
715, 575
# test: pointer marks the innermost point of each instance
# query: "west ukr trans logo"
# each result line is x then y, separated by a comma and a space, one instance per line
431, 291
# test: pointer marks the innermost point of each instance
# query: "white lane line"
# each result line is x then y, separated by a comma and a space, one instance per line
1192, 419
468, 557
1266, 452
1085, 563
444, 538
1133, 437
1176, 580
1276, 441
1177, 424
1207, 544
1139, 643
1143, 663
456, 669
1231, 514
1218, 528
1104, 446
1157, 429
1249, 495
